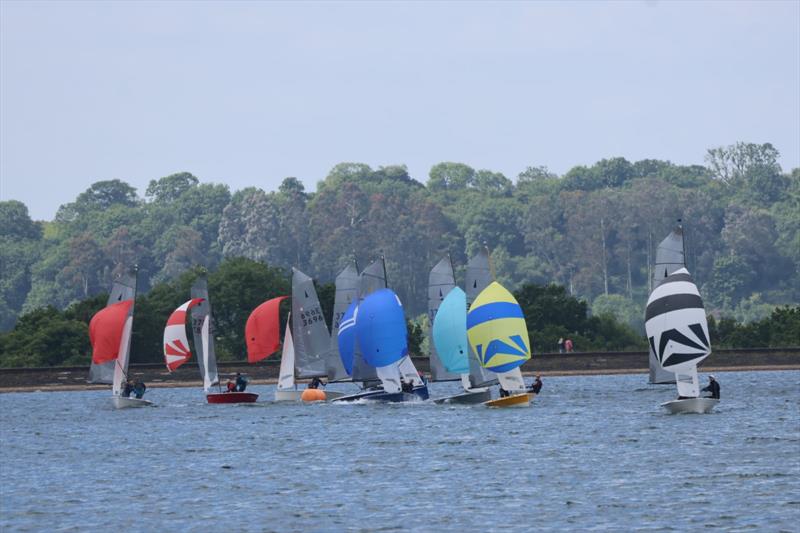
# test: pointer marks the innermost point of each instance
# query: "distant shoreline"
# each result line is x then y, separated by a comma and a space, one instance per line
271, 381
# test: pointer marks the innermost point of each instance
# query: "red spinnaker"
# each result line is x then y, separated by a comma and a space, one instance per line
263, 330
105, 331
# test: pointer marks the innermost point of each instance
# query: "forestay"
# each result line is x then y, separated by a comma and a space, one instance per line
441, 281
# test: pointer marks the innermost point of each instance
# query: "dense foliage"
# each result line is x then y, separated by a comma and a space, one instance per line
592, 231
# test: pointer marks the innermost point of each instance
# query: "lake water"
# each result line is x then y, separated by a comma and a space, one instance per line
592, 453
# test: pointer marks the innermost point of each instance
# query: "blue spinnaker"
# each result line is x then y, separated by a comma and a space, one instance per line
450, 332
381, 328
347, 337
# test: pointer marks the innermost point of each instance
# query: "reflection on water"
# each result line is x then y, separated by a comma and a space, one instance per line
593, 452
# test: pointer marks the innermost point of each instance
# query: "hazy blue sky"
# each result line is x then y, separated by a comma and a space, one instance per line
249, 93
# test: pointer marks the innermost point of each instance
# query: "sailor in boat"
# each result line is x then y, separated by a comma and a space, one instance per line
536, 386
503, 392
315, 383
406, 386
713, 387
139, 388
127, 389
241, 382
230, 386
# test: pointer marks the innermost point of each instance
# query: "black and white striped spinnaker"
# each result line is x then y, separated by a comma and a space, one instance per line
677, 329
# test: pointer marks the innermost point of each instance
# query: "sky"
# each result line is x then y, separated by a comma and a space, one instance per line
249, 93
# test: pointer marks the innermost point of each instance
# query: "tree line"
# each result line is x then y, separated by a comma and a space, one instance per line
48, 336
592, 231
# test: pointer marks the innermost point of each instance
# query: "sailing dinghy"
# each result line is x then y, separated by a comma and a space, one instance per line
306, 357
177, 350
447, 305
110, 335
373, 343
677, 331
498, 335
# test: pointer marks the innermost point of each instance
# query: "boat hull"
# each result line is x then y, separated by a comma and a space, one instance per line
296, 395
690, 405
231, 397
515, 400
467, 397
380, 395
121, 402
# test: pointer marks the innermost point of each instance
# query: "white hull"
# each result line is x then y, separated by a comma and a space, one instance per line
690, 405
295, 395
121, 402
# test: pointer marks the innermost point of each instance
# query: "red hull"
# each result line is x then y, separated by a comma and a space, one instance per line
231, 397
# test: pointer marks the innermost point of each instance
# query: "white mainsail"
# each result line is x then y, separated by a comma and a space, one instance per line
121, 368
204, 341
286, 372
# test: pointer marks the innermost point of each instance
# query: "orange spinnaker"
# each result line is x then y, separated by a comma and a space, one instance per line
105, 331
263, 330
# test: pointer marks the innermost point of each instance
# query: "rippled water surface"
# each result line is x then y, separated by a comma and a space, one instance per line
592, 453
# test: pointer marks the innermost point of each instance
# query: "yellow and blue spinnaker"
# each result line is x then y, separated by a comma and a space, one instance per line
497, 331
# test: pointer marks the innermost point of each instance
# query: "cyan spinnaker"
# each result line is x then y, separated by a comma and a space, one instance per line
450, 332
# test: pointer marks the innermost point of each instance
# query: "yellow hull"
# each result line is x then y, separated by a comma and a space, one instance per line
515, 400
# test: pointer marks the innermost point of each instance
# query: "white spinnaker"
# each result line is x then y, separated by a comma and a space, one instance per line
390, 377
286, 372
204, 335
512, 380
121, 366
409, 372
677, 329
